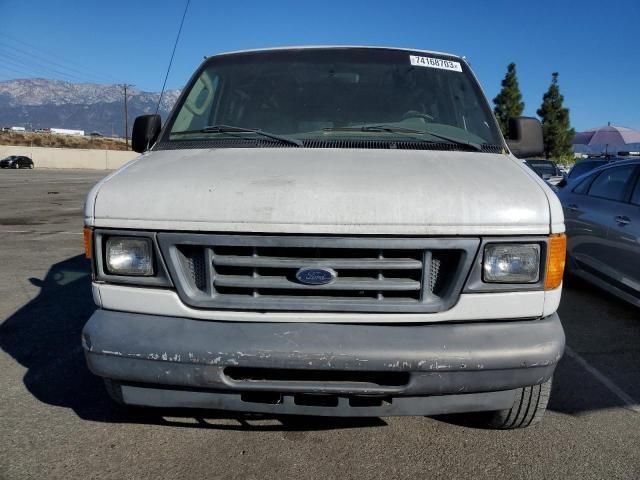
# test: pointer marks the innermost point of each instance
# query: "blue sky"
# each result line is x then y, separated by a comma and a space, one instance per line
594, 45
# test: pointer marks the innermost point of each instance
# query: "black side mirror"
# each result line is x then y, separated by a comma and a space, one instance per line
145, 132
525, 137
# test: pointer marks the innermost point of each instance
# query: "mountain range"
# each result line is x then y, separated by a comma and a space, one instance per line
41, 103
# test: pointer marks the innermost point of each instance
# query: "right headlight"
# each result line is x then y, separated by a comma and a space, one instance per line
511, 263
129, 256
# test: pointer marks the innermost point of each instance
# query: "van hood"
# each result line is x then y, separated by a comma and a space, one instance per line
333, 191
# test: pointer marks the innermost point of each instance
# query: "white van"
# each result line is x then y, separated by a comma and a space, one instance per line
335, 231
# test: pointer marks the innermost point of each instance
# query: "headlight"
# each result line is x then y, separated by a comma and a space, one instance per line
129, 256
511, 263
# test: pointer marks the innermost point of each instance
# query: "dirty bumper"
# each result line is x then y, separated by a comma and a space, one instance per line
321, 369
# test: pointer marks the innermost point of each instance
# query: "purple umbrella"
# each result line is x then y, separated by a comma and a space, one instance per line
610, 136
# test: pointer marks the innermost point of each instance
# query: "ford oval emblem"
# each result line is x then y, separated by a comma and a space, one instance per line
316, 276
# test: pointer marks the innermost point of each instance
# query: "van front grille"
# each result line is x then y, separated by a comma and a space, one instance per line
360, 273
260, 272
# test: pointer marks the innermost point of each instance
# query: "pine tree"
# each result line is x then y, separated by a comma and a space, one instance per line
509, 102
556, 127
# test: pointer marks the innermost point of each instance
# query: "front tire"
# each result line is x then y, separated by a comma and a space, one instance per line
16, 165
528, 408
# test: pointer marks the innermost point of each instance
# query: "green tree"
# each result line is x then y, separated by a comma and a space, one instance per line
556, 127
509, 102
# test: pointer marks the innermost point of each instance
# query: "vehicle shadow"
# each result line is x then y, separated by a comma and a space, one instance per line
44, 337
603, 335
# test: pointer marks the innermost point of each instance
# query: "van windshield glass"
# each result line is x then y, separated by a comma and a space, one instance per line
326, 94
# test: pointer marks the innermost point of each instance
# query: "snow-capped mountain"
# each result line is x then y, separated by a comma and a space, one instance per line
42, 103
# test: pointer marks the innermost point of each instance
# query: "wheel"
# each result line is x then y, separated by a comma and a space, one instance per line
528, 408
114, 390
16, 165
30, 166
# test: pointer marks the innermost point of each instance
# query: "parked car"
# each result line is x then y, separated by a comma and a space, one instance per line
547, 170
585, 165
16, 161
347, 234
602, 215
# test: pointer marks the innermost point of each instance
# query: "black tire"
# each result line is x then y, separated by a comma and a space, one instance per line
528, 408
114, 390
16, 165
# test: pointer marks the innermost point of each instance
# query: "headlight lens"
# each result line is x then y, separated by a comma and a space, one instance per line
129, 256
512, 263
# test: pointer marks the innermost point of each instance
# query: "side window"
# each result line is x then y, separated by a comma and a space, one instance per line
583, 167
583, 186
611, 183
196, 110
635, 196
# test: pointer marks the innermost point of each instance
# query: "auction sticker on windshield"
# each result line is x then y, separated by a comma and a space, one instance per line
432, 62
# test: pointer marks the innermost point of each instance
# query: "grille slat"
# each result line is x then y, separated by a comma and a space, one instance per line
296, 262
362, 273
278, 282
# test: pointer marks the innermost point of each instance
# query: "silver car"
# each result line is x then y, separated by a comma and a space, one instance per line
602, 217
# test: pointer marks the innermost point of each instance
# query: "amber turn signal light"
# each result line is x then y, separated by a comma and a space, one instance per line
556, 256
88, 237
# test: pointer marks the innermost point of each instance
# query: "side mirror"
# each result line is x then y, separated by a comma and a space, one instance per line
146, 129
525, 137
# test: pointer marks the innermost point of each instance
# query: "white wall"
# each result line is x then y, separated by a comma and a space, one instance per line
46, 157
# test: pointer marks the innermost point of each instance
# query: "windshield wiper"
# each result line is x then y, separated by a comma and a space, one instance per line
232, 129
372, 128
390, 129
475, 146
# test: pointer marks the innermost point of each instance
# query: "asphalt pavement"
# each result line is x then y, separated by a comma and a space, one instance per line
56, 420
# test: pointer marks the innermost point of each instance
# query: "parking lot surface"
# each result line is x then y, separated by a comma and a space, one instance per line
56, 420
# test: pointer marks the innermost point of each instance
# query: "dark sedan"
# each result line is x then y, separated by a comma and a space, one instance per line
16, 161
547, 170
602, 218
586, 165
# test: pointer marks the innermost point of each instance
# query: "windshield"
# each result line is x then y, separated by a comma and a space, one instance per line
324, 94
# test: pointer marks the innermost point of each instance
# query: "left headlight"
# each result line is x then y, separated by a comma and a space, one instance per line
129, 256
511, 263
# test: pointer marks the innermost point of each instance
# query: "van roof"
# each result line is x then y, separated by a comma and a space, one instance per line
312, 47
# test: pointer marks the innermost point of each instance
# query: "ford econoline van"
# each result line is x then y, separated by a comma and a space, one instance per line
337, 231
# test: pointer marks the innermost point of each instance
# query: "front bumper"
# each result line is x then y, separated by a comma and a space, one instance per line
321, 369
